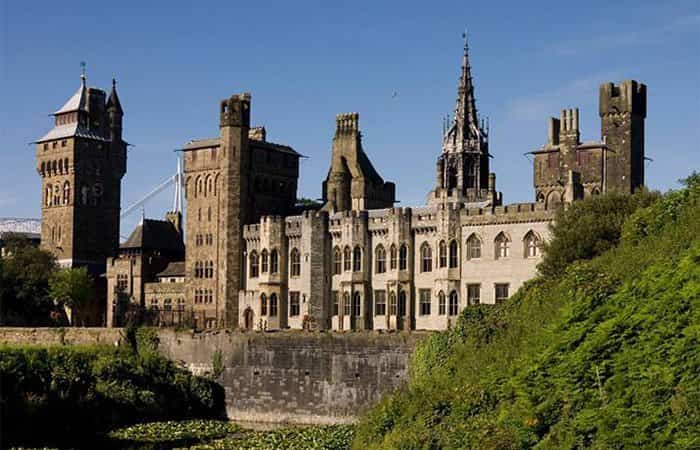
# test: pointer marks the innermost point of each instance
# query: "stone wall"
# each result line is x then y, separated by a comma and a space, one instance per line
292, 376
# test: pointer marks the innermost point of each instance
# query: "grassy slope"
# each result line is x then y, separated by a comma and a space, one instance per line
604, 355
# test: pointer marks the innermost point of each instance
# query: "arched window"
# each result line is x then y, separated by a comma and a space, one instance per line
393, 257
357, 259
198, 269
392, 304
273, 305
442, 254
402, 303
454, 257
254, 267
403, 257
295, 263
49, 194
60, 166
380, 259
540, 197
442, 307
263, 304
426, 258
274, 261
454, 303
346, 304
65, 164
502, 244
356, 304
263, 261
43, 167
200, 187
473, 247
57, 194
531, 245
210, 185
337, 261
347, 259
66, 193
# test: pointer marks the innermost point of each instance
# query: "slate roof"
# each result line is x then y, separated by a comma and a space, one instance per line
71, 130
155, 235
75, 103
174, 269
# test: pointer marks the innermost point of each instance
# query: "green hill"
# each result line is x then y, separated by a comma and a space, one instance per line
602, 351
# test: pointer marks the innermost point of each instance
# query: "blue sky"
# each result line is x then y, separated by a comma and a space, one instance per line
304, 62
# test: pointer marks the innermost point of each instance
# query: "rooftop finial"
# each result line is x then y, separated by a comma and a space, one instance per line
114, 83
83, 72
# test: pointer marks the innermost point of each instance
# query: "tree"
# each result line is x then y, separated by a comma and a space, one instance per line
71, 288
24, 279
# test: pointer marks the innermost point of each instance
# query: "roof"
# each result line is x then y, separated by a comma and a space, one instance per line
155, 235
76, 102
254, 144
113, 101
174, 269
71, 130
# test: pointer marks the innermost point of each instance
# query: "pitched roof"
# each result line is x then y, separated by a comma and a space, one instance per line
174, 269
155, 235
76, 102
71, 130
113, 101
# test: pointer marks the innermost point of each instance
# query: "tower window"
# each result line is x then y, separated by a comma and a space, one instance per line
380, 259
295, 263
263, 305
274, 261
442, 307
294, 306
454, 259
454, 303
347, 259
502, 244
273, 305
379, 303
403, 257
337, 261
263, 261
426, 255
393, 257
501, 292
424, 295
254, 268
442, 254
357, 259
335, 296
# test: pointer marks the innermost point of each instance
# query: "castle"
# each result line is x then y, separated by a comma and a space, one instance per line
249, 256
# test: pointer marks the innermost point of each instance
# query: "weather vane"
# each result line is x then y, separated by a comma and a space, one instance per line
83, 66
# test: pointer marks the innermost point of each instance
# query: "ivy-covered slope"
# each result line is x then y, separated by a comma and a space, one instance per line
603, 352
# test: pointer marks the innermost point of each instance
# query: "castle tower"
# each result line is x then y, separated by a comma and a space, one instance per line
623, 109
81, 162
462, 169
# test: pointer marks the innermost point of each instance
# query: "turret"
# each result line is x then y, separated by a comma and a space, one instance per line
115, 113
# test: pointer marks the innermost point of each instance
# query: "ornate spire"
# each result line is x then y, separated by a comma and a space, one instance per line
466, 120
113, 100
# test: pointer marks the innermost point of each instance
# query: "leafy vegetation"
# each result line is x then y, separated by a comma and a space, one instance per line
80, 392
603, 352
174, 432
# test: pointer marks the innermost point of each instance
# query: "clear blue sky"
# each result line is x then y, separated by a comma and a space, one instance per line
305, 62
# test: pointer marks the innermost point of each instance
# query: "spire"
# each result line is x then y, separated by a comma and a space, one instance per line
113, 101
466, 121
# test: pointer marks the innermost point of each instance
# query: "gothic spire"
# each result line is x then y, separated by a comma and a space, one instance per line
113, 101
466, 121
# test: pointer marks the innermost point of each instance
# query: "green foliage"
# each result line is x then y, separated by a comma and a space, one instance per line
69, 390
602, 353
175, 432
71, 287
217, 364
24, 282
588, 228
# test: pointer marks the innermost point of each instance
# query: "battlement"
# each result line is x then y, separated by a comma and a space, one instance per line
629, 96
235, 111
568, 121
347, 123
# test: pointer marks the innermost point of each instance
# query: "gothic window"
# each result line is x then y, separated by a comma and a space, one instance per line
501, 292
57, 194
392, 304
379, 303
473, 294
65, 164
335, 296
473, 247
200, 187
210, 185
442, 255
426, 258
273, 305
454, 303
356, 304
454, 257
540, 197
502, 244
347, 259
66, 193
49, 195
60, 166
380, 259
295, 263
254, 267
403, 257
84, 195
346, 304
167, 304
424, 295
211, 269
263, 304
357, 259
263, 261
531, 245
471, 174
402, 303
294, 306
442, 307
274, 261
337, 261
393, 257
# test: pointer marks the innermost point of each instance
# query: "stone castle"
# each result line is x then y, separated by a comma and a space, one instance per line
250, 256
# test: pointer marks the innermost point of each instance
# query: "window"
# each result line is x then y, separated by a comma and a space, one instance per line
454, 257
337, 261
380, 259
403, 257
273, 305
335, 296
167, 304
263, 261
57, 194
501, 292
402, 303
198, 269
442, 307
254, 268
294, 306
274, 261
502, 246
122, 282
347, 259
379, 303
473, 294
426, 258
66, 193
154, 304
346, 304
473, 247
442, 254
454, 303
263, 305
49, 195
393, 257
356, 304
295, 263
357, 259
424, 302
531, 245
